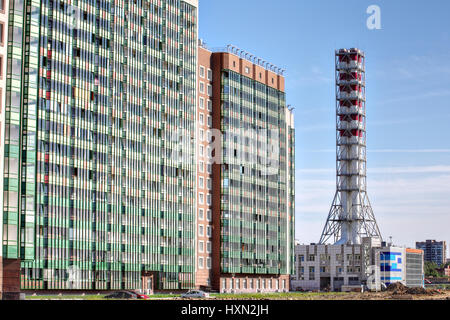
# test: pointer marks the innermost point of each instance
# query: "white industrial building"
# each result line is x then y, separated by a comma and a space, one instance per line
342, 267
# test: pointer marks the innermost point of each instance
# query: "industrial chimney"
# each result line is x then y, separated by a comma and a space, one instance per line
351, 217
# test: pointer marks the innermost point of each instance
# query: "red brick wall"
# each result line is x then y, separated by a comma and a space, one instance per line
1, 277
256, 72
203, 275
10, 279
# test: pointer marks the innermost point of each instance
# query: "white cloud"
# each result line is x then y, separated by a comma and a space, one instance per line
315, 77
386, 170
408, 207
388, 151
412, 97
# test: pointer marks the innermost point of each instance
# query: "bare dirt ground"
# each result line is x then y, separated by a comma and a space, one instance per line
395, 291
386, 295
444, 295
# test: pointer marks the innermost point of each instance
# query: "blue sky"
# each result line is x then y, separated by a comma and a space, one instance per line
408, 100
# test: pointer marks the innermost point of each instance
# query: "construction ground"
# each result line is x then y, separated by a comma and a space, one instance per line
394, 292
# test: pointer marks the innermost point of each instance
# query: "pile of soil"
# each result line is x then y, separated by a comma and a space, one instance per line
398, 288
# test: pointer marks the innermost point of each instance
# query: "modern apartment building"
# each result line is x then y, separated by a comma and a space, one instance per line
249, 162
4, 8
94, 197
434, 251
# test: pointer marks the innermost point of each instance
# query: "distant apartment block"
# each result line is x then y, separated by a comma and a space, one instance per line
434, 251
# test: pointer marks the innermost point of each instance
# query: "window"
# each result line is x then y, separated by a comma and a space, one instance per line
201, 103
208, 247
208, 263
201, 214
208, 231
209, 105
208, 215
201, 198
201, 166
201, 150
202, 135
209, 90
2, 31
201, 246
208, 184
201, 182
202, 72
201, 118
209, 74
312, 275
208, 199
209, 121
200, 263
247, 70
201, 230
202, 87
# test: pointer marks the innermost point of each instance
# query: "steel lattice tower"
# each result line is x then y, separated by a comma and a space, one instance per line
351, 216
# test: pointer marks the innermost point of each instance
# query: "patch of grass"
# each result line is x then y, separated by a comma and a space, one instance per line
67, 297
238, 296
91, 297
277, 296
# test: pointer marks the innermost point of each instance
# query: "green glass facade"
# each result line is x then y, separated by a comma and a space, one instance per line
93, 90
256, 187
